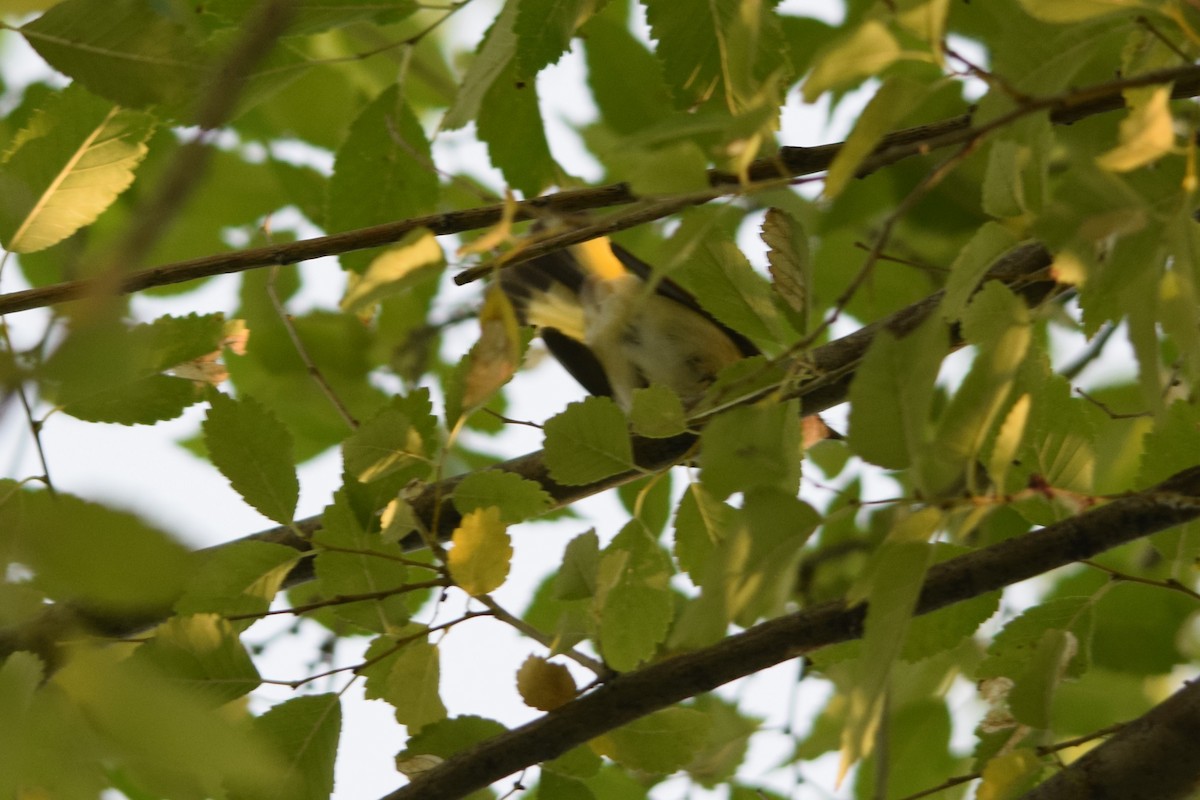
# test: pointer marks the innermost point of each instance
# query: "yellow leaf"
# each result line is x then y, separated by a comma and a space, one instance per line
1146, 134
543, 685
493, 359
1008, 775
392, 271
482, 551
499, 233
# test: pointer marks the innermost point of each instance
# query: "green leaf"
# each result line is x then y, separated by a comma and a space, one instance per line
661, 742
407, 676
587, 442
137, 53
657, 413
972, 263
649, 500
633, 621
1033, 691
449, 736
721, 49
941, 630
892, 102
719, 275
1067, 11
752, 447
169, 741
1121, 616
1013, 648
363, 563
21, 673
494, 357
891, 394
1059, 448
253, 449
625, 78
790, 261
510, 124
762, 556
1172, 445
382, 172
925, 19
91, 555
633, 599
397, 443
671, 168
516, 498
202, 652
492, 58
1017, 170
701, 524
305, 733
124, 50
544, 29
867, 50
576, 578
237, 579
553, 786
897, 571
917, 736
106, 372
313, 16
71, 161
579, 762
999, 324
726, 744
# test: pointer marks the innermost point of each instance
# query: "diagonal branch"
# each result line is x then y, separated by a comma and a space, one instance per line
789, 162
830, 367
1151, 758
636, 694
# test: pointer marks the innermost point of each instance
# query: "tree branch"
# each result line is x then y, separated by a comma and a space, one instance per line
636, 694
1151, 758
789, 162
830, 368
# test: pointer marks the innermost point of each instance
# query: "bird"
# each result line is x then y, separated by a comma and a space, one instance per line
616, 327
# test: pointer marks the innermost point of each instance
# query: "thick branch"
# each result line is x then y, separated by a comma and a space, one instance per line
636, 694
789, 162
831, 367
1151, 758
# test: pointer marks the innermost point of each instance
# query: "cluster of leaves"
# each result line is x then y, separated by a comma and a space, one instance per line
1003, 447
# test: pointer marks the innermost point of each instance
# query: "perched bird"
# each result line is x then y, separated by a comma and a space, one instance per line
597, 314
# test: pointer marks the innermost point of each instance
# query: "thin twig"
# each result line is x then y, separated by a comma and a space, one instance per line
310, 366
1170, 583
1093, 351
35, 426
1111, 414
927, 184
345, 599
599, 668
397, 645
789, 162
190, 162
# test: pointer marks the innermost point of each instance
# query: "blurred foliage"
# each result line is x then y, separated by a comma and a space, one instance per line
348, 121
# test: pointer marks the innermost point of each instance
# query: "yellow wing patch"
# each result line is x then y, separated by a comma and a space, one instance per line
597, 258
